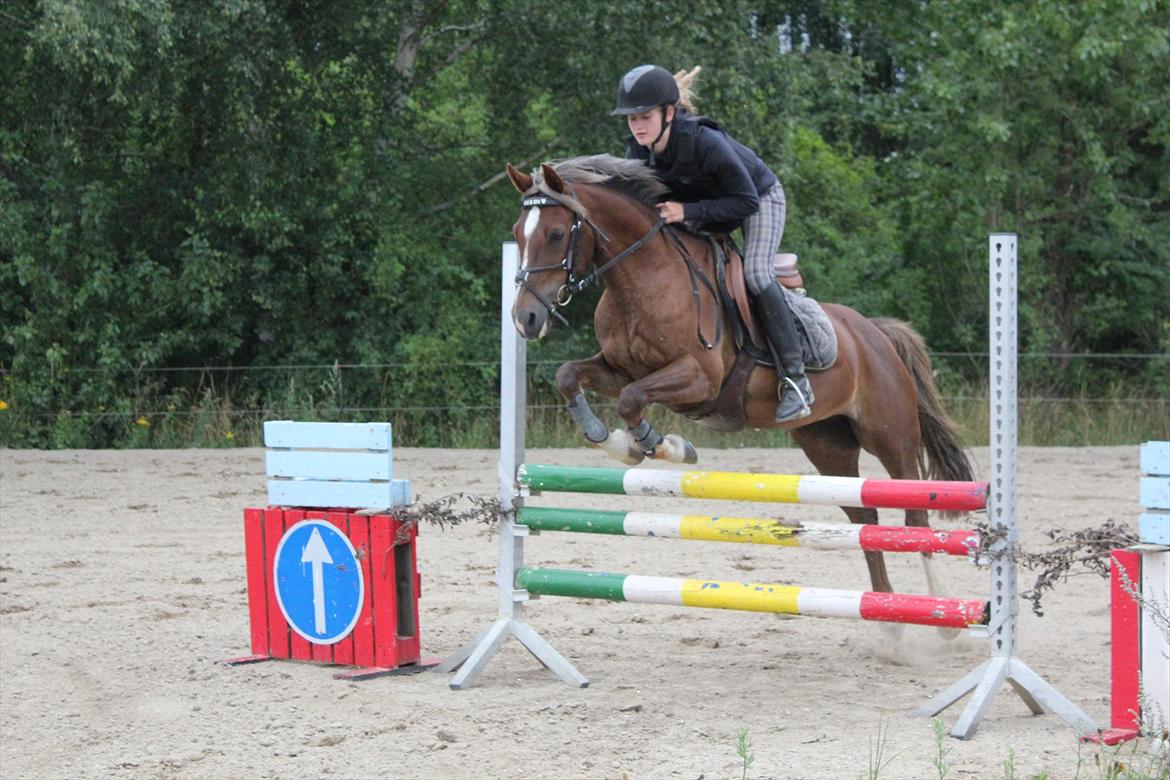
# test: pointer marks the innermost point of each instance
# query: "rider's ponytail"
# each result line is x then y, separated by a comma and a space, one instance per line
684, 79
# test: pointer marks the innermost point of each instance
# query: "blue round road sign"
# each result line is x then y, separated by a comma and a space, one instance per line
318, 580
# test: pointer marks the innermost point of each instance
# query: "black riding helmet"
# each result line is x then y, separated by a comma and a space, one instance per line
644, 88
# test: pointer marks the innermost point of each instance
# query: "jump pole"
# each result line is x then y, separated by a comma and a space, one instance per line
751, 530
983, 682
777, 488
756, 597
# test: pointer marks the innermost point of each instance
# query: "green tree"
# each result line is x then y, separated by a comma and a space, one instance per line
256, 183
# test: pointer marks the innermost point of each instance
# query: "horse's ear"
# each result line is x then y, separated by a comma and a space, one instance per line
521, 181
552, 178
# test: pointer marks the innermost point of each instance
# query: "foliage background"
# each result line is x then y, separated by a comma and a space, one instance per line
242, 185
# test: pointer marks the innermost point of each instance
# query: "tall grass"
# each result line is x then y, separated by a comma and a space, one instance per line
215, 417
1121, 416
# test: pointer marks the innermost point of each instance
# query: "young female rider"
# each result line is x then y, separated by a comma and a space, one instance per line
720, 184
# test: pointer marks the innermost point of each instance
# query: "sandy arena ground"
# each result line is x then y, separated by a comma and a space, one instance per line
122, 585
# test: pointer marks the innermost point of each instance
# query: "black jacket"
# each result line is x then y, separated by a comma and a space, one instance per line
716, 178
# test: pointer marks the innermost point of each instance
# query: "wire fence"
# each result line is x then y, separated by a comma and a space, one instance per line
535, 367
343, 411
456, 403
291, 367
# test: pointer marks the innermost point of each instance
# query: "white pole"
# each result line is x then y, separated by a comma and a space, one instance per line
985, 681
471, 659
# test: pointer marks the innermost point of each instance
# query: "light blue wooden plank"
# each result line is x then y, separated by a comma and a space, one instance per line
1154, 528
351, 466
400, 494
318, 494
1155, 492
338, 436
1156, 458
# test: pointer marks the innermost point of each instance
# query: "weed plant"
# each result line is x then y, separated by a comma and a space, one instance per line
743, 749
1147, 759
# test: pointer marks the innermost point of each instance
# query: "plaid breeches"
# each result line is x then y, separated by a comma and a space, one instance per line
762, 232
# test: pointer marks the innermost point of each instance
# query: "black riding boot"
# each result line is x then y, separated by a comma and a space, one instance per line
794, 389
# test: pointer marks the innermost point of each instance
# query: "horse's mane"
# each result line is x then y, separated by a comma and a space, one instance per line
632, 178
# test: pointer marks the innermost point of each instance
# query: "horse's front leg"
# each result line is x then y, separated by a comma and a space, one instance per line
683, 382
597, 374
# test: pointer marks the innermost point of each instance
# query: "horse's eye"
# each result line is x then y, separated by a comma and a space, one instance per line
556, 235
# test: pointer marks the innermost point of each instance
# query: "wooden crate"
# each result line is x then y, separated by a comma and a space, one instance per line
386, 635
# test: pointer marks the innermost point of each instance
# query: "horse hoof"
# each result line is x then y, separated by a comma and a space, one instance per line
633, 458
948, 634
620, 446
675, 449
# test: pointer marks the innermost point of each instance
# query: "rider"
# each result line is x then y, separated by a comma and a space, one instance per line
719, 184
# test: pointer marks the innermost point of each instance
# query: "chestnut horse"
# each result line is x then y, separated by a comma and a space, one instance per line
663, 338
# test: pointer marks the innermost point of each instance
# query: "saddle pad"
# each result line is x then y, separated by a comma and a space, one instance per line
820, 342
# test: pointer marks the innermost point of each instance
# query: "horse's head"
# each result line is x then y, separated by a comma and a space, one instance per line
554, 245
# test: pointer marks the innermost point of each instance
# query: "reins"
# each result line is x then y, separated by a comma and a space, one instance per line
631, 249
696, 275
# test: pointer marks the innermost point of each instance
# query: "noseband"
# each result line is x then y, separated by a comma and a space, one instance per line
572, 284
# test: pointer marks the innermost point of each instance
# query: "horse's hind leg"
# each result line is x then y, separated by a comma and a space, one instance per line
897, 447
834, 450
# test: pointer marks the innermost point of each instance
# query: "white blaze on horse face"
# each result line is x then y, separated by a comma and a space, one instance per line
529, 229
530, 224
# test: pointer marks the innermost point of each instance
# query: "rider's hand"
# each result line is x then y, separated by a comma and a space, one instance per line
671, 211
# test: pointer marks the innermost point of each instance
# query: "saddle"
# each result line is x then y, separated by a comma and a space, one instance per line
818, 340
729, 271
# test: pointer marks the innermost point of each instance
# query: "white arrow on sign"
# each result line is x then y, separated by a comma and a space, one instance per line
317, 553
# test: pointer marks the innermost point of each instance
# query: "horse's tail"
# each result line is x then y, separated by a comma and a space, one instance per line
940, 434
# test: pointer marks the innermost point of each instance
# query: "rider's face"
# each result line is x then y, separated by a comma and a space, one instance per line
646, 126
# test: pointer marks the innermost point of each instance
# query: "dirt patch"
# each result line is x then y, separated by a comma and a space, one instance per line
152, 544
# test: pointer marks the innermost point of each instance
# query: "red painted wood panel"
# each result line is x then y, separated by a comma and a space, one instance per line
1125, 709
375, 641
385, 609
363, 632
278, 639
343, 649
257, 576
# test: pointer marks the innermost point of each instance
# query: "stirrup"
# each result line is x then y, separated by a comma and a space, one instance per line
805, 402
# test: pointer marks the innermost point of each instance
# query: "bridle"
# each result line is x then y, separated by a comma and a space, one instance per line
573, 284
567, 263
